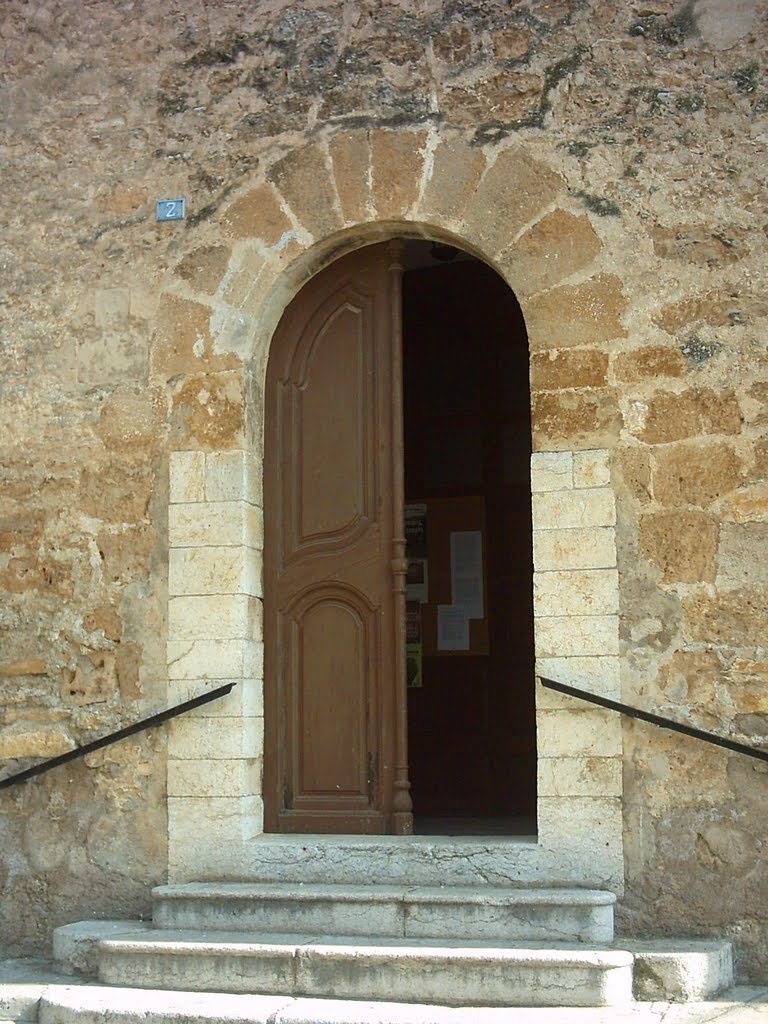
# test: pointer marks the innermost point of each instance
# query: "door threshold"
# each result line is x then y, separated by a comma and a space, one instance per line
333, 839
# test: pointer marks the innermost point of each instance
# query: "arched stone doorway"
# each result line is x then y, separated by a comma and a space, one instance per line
511, 209
339, 753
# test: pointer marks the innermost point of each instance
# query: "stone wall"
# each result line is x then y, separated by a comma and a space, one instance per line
627, 148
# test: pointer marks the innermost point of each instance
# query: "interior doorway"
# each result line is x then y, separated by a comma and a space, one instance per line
466, 398
352, 441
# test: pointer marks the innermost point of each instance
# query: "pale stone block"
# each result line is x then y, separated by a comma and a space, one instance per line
231, 476
220, 570
246, 699
192, 738
591, 469
212, 778
585, 548
206, 822
187, 476
212, 837
551, 471
206, 659
213, 524
601, 676
566, 510
218, 617
590, 827
580, 776
253, 660
576, 592
594, 733
576, 635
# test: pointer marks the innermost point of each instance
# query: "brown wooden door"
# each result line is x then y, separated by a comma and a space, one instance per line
333, 455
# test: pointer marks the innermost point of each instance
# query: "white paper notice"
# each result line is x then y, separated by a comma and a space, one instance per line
417, 580
452, 628
467, 572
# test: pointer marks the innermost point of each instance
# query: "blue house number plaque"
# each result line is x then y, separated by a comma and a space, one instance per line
170, 209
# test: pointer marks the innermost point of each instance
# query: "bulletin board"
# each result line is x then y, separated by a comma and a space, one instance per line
452, 585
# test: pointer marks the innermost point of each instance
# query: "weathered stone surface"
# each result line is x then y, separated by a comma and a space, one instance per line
691, 677
258, 214
714, 309
510, 43
732, 617
695, 474
739, 560
593, 548
748, 504
117, 491
304, 179
575, 419
554, 248
570, 368
182, 341
204, 268
397, 160
93, 681
583, 314
649, 363
351, 159
503, 98
453, 45
209, 412
512, 192
592, 468
697, 243
576, 592
456, 172
566, 510
132, 419
672, 416
31, 740
551, 471
634, 473
681, 545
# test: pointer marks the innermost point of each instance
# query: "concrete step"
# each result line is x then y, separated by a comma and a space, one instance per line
467, 912
411, 970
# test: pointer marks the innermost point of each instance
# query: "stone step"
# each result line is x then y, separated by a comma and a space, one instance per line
405, 860
410, 970
133, 1006
467, 912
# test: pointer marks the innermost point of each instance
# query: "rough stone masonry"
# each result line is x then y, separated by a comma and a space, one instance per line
626, 145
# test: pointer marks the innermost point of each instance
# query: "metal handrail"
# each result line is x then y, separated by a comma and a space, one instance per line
654, 719
121, 734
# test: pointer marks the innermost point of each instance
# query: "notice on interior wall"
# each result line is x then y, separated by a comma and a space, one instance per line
416, 530
467, 572
413, 644
452, 628
417, 580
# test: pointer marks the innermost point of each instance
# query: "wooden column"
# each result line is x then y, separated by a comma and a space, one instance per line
402, 805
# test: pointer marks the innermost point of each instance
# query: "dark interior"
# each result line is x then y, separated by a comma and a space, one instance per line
471, 732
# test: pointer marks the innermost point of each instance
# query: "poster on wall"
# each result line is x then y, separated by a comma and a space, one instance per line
416, 530
452, 628
413, 644
467, 572
417, 580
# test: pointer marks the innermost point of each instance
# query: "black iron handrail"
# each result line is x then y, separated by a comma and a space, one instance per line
660, 720
121, 734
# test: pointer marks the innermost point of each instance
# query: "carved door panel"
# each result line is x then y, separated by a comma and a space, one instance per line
331, 610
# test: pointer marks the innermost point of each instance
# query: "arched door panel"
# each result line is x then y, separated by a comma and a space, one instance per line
331, 618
